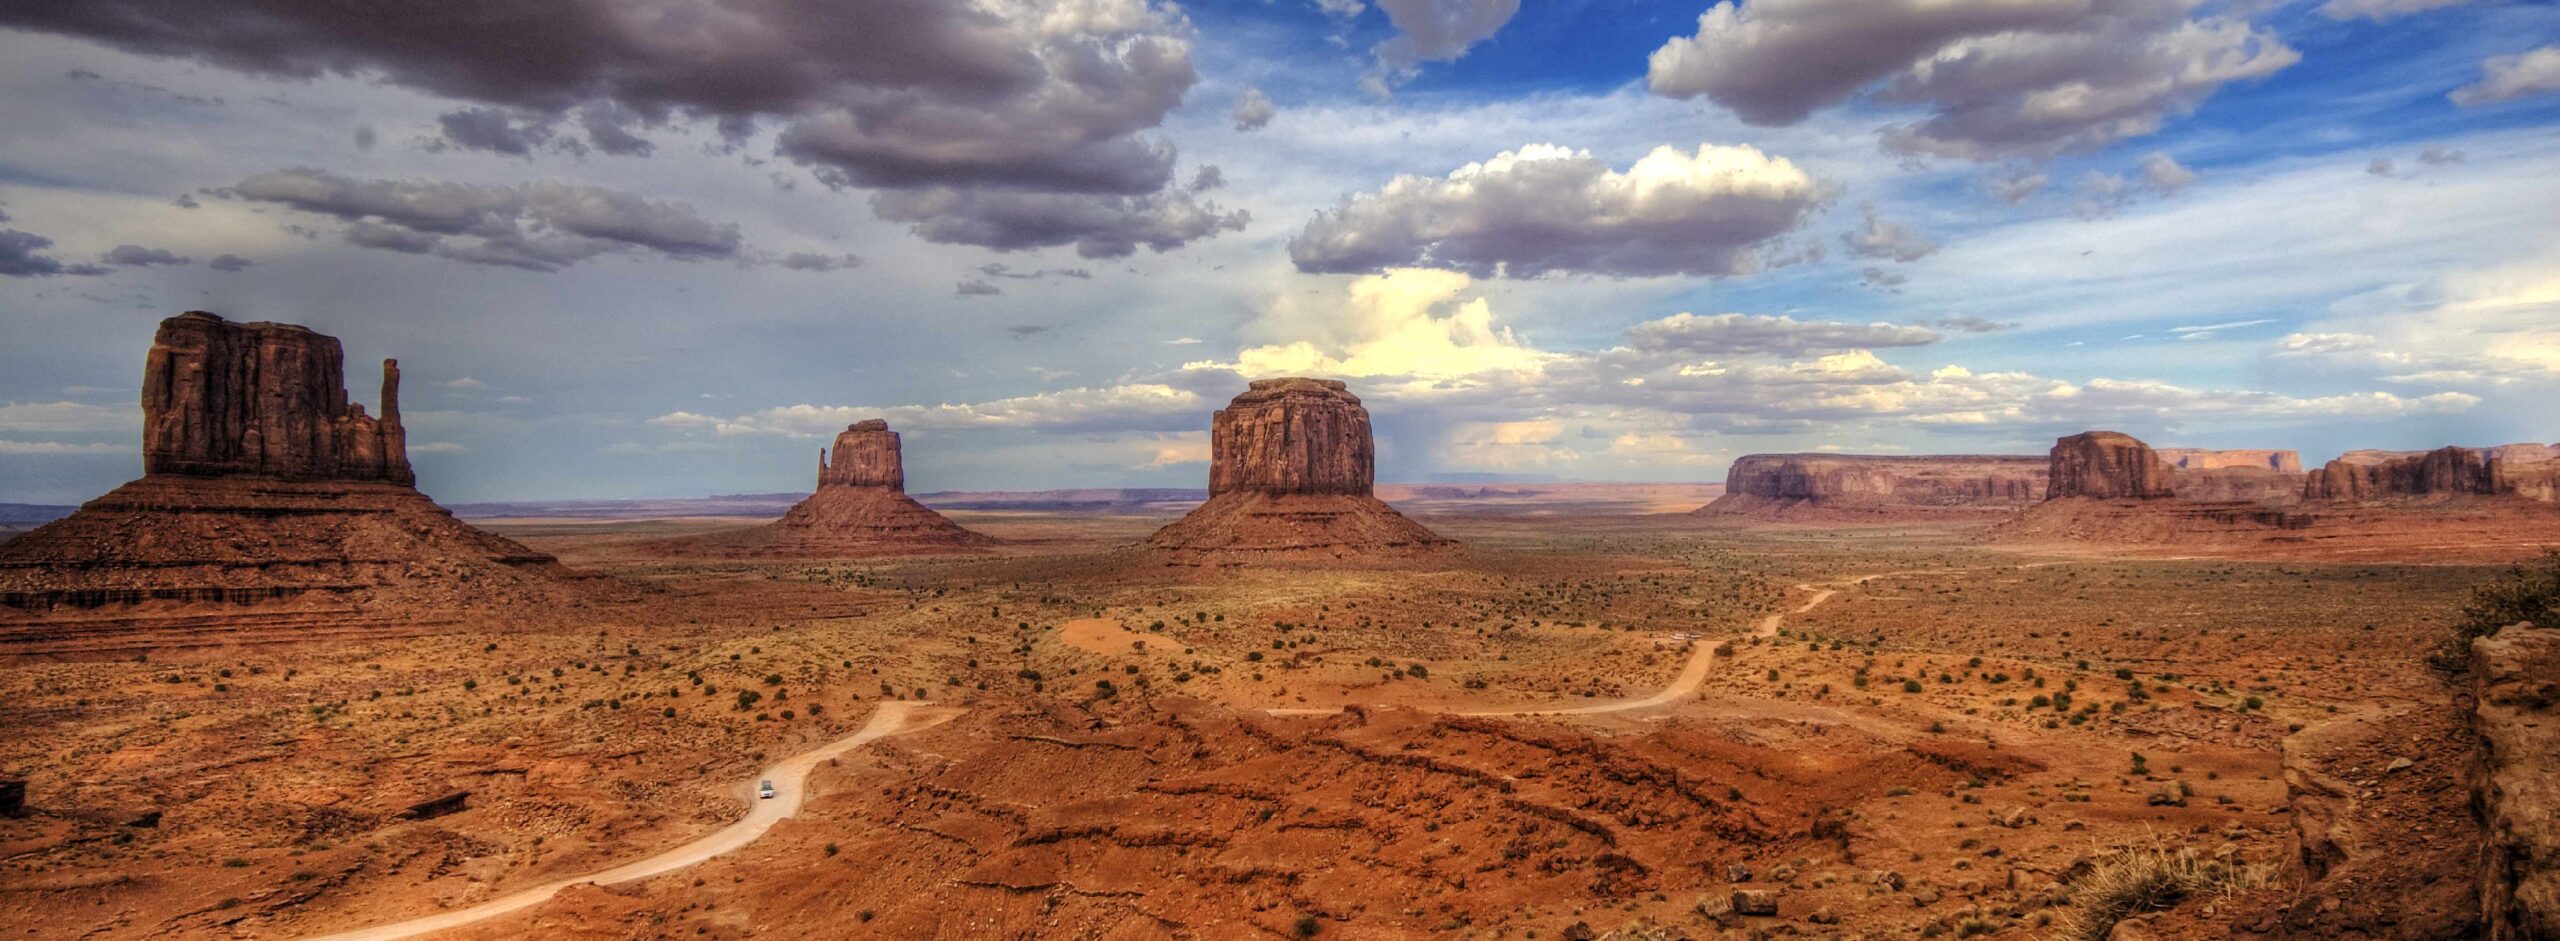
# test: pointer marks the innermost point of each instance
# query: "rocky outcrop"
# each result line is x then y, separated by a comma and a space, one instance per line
2286, 461
2107, 465
263, 399
2528, 470
860, 508
271, 509
2515, 677
866, 455
1292, 473
1293, 436
1779, 485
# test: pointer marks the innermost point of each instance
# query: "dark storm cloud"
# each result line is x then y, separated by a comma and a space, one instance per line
1547, 209
139, 257
1015, 95
228, 263
541, 226
2000, 77
1761, 334
493, 130
1098, 226
22, 255
813, 261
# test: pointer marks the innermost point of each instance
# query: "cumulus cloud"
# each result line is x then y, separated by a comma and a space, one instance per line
136, 256
1014, 94
1412, 322
1253, 110
1098, 226
24, 255
1762, 334
2163, 174
2000, 77
1884, 238
1550, 209
2380, 10
2505, 78
1439, 30
2016, 185
541, 226
2479, 327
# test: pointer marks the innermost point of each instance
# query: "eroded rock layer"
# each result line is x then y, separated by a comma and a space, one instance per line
272, 509
1782, 485
2285, 461
861, 508
1292, 470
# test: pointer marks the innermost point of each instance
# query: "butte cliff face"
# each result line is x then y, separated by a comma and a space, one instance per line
1785, 485
861, 508
2531, 471
263, 400
2107, 465
271, 508
1292, 472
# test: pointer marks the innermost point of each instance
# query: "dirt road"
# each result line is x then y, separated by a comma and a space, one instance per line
790, 780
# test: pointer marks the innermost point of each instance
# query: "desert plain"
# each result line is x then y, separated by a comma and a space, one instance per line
1587, 719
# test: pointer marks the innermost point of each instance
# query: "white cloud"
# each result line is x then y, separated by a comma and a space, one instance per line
66, 417
1253, 110
1545, 209
53, 448
2380, 10
2505, 78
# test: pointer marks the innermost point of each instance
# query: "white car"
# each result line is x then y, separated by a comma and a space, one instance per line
764, 791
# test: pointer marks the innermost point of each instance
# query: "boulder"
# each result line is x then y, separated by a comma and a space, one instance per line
1756, 902
2515, 685
2107, 465
1292, 472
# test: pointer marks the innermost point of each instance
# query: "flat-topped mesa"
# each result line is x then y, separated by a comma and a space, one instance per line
1293, 436
2282, 461
263, 400
1802, 486
2526, 470
2107, 465
1292, 474
866, 455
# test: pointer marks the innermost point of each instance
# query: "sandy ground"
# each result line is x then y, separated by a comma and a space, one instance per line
1900, 730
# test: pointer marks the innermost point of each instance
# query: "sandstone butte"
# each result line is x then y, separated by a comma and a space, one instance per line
2107, 465
860, 508
268, 502
1805, 485
1292, 474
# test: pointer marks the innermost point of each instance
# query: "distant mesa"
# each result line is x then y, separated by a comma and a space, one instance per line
270, 508
1292, 474
861, 508
2530, 471
1847, 486
2199, 459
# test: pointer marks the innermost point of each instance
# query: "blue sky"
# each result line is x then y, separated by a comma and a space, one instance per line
2321, 225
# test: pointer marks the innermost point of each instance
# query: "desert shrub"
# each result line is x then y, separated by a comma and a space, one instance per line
2529, 592
2147, 878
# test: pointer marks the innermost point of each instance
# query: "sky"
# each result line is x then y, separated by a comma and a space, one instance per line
665, 248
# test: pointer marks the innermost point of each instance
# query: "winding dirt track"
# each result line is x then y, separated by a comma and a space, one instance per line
790, 779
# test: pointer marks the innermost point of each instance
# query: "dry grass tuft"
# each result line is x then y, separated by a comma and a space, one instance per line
2148, 878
